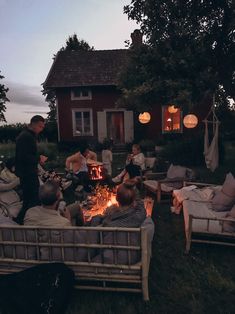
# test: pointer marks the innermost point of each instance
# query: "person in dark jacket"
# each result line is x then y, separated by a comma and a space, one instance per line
130, 211
26, 163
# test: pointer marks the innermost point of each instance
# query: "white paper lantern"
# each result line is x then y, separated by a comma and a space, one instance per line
144, 117
172, 109
190, 121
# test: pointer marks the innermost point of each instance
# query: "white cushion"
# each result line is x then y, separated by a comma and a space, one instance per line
225, 199
228, 187
151, 185
149, 162
176, 172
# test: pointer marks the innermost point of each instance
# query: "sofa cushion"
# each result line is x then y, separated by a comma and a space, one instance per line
150, 162
228, 187
176, 172
151, 185
200, 210
225, 199
232, 212
229, 226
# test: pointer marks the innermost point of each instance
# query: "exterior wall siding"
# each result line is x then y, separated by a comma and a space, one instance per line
102, 98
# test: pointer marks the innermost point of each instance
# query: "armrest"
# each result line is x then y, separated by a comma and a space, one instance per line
201, 184
155, 175
168, 180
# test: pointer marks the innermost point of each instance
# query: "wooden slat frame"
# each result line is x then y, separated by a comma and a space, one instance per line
130, 274
223, 235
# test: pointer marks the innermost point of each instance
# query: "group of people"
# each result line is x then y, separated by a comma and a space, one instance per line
42, 204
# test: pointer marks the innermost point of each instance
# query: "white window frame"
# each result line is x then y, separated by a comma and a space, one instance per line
81, 97
74, 121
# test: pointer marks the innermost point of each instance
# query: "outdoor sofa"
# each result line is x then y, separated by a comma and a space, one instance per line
102, 258
211, 221
163, 183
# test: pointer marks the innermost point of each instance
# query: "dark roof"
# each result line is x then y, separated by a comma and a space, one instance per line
86, 68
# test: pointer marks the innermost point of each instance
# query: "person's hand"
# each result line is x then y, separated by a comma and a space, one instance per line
43, 159
129, 157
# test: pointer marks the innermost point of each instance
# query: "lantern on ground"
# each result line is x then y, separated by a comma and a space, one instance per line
172, 109
144, 117
190, 121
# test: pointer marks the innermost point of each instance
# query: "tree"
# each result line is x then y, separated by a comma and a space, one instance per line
188, 55
3, 100
72, 43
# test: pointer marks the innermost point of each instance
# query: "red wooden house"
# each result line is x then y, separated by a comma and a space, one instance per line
86, 94
85, 85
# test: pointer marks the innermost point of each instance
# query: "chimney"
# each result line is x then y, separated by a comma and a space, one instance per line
136, 38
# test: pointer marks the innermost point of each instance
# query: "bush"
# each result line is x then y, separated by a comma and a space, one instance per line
9, 132
147, 145
188, 152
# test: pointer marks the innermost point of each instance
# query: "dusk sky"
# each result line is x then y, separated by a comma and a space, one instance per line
32, 31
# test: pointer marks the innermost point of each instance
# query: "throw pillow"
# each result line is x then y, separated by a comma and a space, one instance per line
225, 199
176, 172
228, 187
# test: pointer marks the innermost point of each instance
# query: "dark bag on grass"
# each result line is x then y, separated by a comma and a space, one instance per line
45, 288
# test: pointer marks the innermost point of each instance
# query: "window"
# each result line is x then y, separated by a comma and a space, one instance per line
82, 122
82, 93
171, 121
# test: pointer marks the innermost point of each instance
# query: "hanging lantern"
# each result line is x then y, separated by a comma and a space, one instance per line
190, 121
144, 117
172, 109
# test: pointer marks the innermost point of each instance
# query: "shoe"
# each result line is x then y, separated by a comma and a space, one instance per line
172, 208
79, 188
66, 184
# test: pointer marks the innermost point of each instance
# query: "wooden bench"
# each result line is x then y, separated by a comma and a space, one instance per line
113, 259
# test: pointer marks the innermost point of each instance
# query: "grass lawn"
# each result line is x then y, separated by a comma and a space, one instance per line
201, 282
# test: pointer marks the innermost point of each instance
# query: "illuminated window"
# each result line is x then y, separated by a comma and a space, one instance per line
171, 122
82, 122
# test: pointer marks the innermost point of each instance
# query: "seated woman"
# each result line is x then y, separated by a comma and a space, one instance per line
130, 211
135, 163
10, 194
8, 172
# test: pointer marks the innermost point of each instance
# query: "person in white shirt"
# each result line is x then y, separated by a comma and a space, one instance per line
135, 163
107, 158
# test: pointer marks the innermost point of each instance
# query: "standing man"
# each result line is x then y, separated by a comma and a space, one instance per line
26, 162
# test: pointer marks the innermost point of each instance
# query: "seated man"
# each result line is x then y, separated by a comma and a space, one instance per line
45, 175
135, 163
77, 164
50, 213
